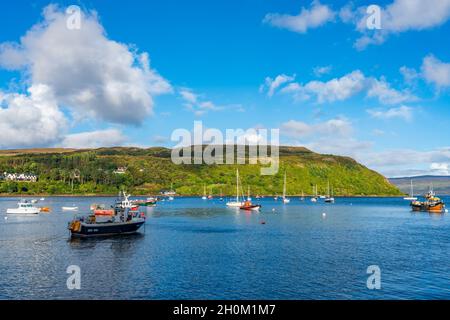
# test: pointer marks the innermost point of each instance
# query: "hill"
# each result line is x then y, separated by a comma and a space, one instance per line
150, 170
441, 184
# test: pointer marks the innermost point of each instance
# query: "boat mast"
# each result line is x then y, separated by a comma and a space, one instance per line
284, 185
237, 185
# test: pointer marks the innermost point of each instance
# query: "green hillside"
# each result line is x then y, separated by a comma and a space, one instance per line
151, 170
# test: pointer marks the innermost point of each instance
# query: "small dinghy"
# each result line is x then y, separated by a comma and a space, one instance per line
69, 208
249, 206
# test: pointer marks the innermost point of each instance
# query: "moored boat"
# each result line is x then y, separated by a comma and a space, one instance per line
432, 204
249, 206
24, 208
236, 203
123, 219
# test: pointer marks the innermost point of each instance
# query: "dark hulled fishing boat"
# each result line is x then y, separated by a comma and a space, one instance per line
123, 219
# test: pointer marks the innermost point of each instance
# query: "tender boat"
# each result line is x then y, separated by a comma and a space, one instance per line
249, 206
24, 208
123, 219
69, 208
149, 202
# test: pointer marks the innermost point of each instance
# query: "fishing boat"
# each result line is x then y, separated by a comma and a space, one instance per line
249, 206
236, 203
24, 208
329, 198
123, 219
123, 202
432, 203
411, 196
285, 200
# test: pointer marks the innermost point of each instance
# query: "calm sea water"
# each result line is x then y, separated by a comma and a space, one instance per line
196, 249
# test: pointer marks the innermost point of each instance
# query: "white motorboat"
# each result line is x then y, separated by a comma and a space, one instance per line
25, 208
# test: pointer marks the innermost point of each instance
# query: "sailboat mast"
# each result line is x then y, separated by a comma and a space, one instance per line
237, 185
284, 185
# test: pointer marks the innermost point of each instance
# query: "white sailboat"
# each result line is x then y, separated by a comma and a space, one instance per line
285, 200
314, 198
329, 198
204, 193
236, 203
24, 208
248, 194
411, 194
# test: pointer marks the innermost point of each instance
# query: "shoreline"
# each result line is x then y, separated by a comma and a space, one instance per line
179, 196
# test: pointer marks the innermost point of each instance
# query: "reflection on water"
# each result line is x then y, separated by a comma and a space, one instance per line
196, 249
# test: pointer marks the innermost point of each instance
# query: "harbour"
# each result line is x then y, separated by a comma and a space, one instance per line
189, 248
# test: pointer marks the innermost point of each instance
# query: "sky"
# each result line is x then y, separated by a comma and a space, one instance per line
326, 74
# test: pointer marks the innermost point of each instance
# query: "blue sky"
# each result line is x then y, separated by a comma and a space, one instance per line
385, 103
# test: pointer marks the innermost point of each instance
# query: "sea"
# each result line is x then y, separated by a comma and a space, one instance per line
189, 248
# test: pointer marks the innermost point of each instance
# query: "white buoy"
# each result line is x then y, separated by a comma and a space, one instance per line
6, 218
324, 215
273, 209
446, 210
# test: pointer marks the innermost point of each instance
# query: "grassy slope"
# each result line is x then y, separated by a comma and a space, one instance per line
150, 170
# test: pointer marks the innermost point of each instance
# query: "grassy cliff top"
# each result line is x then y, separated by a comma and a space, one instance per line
150, 170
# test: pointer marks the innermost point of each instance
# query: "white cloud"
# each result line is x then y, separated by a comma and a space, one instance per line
195, 102
436, 72
392, 163
334, 136
343, 88
333, 127
402, 112
94, 139
409, 74
321, 70
441, 169
273, 84
399, 16
336, 89
386, 95
314, 17
30, 120
86, 71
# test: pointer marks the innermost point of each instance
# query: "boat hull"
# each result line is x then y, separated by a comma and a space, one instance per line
428, 207
85, 230
34, 211
255, 207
